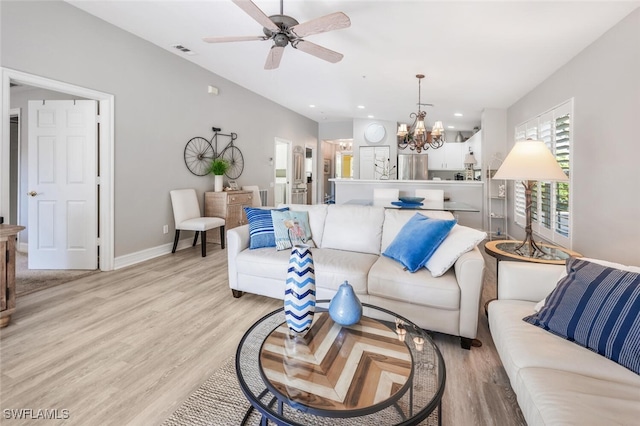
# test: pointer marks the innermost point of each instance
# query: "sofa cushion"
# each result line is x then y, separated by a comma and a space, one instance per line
597, 307
553, 397
395, 219
460, 240
418, 240
353, 228
523, 345
291, 228
317, 215
260, 227
332, 267
388, 279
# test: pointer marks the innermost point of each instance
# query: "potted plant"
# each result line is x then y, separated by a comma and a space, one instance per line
218, 168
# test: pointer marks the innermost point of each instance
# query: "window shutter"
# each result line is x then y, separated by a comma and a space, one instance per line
518, 198
563, 150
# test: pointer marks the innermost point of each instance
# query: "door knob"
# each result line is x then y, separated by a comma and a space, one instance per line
32, 193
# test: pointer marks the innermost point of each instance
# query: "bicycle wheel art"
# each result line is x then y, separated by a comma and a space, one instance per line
198, 154
233, 155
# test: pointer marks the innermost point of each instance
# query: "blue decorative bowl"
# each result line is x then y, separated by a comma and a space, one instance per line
411, 200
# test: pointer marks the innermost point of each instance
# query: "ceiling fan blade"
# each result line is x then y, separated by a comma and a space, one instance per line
254, 11
274, 57
334, 21
318, 51
231, 38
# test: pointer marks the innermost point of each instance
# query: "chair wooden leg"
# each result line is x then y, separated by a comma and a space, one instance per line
222, 237
203, 243
175, 241
195, 239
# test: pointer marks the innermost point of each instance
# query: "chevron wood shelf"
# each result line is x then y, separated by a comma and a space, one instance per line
339, 370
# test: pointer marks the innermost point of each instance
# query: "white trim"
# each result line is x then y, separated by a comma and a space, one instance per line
153, 252
107, 144
16, 112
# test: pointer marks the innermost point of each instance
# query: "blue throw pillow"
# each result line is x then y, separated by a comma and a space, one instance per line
597, 307
418, 240
261, 227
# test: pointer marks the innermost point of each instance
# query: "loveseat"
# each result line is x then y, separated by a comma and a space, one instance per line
557, 381
349, 240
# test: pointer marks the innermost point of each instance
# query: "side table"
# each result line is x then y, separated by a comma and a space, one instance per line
8, 272
506, 250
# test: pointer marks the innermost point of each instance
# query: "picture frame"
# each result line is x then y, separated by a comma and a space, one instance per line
327, 167
233, 185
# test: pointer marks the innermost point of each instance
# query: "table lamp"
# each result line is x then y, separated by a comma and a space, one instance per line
469, 162
530, 161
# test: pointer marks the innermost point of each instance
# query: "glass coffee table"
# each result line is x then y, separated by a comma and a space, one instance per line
382, 370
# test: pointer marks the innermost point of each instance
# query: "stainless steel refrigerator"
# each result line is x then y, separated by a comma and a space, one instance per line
413, 167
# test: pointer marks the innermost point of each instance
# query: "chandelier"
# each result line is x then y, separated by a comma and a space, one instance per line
416, 136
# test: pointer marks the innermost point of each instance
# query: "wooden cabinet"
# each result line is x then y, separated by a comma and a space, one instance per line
228, 205
8, 271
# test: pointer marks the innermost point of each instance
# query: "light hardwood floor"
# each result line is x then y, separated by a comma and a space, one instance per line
127, 347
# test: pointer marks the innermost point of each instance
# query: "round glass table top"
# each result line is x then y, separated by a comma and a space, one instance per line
382, 370
508, 249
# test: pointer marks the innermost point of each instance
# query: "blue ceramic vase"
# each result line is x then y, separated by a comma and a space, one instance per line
345, 307
300, 290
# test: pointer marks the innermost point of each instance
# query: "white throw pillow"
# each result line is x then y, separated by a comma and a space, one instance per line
460, 240
614, 265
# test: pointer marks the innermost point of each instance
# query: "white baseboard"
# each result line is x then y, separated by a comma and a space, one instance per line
151, 253
23, 247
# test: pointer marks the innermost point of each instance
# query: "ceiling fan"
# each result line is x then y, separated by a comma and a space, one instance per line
284, 30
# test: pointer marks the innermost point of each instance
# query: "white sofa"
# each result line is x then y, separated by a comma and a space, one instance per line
557, 382
349, 240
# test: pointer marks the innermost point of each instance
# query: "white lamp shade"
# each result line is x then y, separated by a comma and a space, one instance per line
402, 129
530, 160
437, 129
469, 159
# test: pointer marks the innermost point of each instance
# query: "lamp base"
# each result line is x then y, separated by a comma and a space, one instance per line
529, 248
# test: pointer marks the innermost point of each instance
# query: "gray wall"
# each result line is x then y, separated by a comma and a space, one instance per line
604, 80
161, 102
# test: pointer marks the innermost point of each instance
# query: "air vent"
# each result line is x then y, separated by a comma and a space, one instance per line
183, 49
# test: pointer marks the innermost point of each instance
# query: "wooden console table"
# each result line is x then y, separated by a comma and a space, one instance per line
228, 205
8, 271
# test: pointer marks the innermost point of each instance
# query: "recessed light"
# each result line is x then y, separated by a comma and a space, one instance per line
451, 127
361, 106
312, 106
458, 114
370, 116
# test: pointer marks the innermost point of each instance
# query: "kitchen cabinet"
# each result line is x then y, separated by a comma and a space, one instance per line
448, 157
475, 145
8, 271
228, 205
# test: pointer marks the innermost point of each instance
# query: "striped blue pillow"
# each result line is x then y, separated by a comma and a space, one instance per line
261, 227
597, 307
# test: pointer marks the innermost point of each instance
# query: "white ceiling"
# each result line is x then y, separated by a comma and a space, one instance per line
475, 54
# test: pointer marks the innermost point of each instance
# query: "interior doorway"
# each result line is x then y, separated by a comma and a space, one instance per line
282, 172
105, 153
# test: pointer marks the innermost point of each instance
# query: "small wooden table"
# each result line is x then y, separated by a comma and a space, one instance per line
506, 250
8, 271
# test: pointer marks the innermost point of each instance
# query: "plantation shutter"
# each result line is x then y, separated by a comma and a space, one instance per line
550, 210
519, 204
563, 155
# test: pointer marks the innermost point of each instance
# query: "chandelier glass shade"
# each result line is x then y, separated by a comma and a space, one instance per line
416, 136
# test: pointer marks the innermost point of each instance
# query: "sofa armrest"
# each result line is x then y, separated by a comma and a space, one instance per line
237, 241
469, 270
527, 281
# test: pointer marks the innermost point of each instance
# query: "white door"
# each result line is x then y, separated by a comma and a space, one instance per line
62, 185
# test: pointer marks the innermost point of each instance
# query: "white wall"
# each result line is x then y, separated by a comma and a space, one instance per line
161, 102
604, 80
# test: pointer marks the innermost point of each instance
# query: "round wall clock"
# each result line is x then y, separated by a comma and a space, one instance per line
375, 132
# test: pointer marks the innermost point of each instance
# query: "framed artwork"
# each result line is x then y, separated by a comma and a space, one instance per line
327, 167
233, 185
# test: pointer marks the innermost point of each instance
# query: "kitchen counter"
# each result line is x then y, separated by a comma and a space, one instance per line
465, 191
